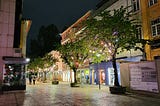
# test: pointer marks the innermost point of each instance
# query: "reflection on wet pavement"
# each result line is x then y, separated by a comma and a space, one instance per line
63, 95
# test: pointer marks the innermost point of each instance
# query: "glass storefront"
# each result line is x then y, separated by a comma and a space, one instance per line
83, 76
14, 77
102, 77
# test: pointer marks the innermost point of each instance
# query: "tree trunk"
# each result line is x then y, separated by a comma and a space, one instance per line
75, 79
116, 83
45, 76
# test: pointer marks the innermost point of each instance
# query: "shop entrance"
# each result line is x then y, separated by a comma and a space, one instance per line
14, 73
102, 76
14, 77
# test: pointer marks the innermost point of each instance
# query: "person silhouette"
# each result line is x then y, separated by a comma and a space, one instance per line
34, 79
30, 77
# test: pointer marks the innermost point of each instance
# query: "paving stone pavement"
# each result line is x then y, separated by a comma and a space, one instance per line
46, 94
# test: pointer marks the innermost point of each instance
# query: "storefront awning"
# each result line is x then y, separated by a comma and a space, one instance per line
15, 60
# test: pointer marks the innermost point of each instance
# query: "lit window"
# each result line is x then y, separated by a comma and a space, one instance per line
155, 27
135, 4
152, 2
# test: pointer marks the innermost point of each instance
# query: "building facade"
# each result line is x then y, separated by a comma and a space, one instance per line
7, 26
151, 26
103, 72
25, 27
11, 46
148, 27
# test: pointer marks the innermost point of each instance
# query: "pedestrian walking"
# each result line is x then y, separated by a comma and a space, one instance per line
34, 80
30, 79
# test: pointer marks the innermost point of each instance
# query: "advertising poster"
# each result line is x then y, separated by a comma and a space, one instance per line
143, 76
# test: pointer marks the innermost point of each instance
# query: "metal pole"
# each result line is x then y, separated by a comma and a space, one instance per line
99, 85
99, 77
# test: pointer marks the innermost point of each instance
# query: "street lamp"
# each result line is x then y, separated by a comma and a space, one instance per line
98, 55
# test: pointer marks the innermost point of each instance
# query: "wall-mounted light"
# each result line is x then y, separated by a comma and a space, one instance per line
27, 59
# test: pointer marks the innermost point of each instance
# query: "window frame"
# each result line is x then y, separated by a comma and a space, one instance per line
153, 2
135, 5
139, 33
155, 27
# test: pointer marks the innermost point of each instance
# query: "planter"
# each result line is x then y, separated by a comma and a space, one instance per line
74, 85
55, 82
117, 90
45, 81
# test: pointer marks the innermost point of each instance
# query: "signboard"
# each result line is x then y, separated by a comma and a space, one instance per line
143, 76
15, 60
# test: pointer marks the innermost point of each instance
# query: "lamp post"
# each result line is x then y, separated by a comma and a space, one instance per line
98, 55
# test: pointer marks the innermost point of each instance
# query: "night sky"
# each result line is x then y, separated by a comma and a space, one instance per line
59, 12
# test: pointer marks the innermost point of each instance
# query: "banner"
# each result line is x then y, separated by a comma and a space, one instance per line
143, 76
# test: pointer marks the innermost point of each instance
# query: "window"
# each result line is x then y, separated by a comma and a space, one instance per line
152, 2
139, 33
135, 4
155, 27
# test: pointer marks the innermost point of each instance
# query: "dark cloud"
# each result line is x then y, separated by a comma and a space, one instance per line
59, 12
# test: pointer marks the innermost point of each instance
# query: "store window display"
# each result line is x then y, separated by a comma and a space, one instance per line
103, 77
14, 77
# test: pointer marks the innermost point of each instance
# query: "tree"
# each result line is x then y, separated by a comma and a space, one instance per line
48, 61
42, 63
74, 54
112, 33
35, 64
35, 50
47, 40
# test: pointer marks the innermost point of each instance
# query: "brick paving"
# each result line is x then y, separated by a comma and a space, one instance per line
46, 94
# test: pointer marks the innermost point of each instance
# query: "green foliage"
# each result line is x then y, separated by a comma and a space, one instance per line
35, 64
74, 53
47, 40
48, 60
111, 31
96, 55
42, 63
